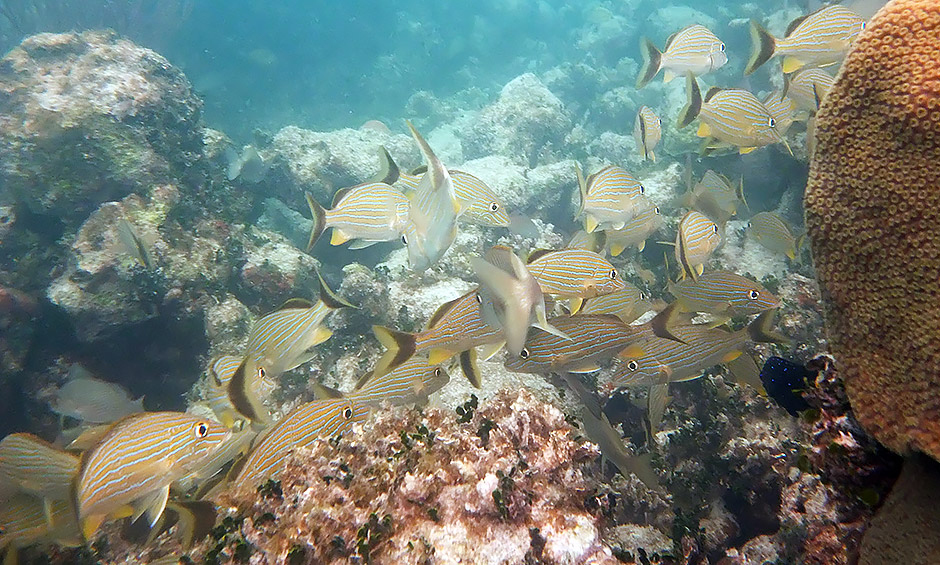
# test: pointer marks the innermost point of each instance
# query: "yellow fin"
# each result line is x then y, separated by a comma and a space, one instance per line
704, 130
699, 269
91, 524
745, 150
791, 64
439, 355
489, 350
321, 334
339, 237
616, 249
574, 305
631, 352
668, 76
590, 224
731, 356
587, 367
641, 246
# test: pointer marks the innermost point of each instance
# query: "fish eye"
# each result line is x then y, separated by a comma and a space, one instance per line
715, 228
404, 239
771, 122
262, 373
642, 189
437, 372
753, 294
347, 413
494, 206
613, 273
633, 365
479, 298
524, 354
656, 210
201, 430
659, 121
721, 47
863, 24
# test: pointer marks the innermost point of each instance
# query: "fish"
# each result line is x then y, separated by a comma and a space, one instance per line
248, 165
480, 203
33, 466
433, 213
599, 430
808, 87
216, 392
193, 519
782, 108
818, 39
698, 348
596, 242
657, 398
647, 131
628, 304
25, 520
201, 478
133, 244
715, 197
411, 383
523, 226
279, 342
456, 327
694, 49
775, 234
130, 470
365, 214
575, 274
609, 198
636, 231
511, 296
729, 117
593, 338
724, 294
785, 381
299, 428
92, 400
696, 240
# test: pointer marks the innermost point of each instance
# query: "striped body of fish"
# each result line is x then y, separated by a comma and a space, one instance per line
137, 460
635, 232
410, 383
694, 49
455, 327
647, 131
782, 108
729, 117
26, 520
724, 294
609, 198
366, 213
628, 304
34, 466
574, 273
664, 360
696, 241
596, 242
819, 39
593, 338
808, 87
715, 197
236, 445
216, 396
774, 233
432, 225
299, 428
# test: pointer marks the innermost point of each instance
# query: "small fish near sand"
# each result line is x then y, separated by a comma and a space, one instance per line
92, 400
609, 198
694, 49
818, 39
775, 234
365, 214
647, 131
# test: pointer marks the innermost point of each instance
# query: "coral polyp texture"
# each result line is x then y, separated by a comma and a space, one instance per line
873, 216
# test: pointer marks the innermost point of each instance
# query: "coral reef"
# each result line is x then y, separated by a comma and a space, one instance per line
873, 220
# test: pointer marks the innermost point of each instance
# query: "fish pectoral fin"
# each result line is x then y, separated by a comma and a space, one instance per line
718, 322
439, 355
574, 305
641, 246
360, 243
731, 356
616, 249
320, 335
618, 225
704, 130
469, 367
47, 512
585, 367
151, 506
590, 223
745, 150
339, 237
668, 76
791, 64
487, 351
91, 524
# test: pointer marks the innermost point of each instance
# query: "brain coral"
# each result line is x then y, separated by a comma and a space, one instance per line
873, 215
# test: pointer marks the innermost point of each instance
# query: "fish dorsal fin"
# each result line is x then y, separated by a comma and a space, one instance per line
419, 170
389, 173
359, 384
669, 41
504, 258
795, 24
330, 298
538, 254
711, 92
443, 309
339, 195
436, 169
243, 398
469, 368
295, 304
582, 188
323, 392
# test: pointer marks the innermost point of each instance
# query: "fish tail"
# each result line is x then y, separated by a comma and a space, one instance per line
389, 172
761, 329
763, 46
469, 367
652, 59
243, 397
329, 298
694, 105
400, 347
582, 190
318, 214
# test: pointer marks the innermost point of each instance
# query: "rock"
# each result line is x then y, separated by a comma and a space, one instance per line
88, 118
549, 193
274, 271
18, 314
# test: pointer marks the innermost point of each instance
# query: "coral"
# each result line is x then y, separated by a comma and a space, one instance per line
872, 212
522, 124
87, 118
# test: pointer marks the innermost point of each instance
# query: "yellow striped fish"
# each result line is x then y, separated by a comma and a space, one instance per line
24, 521
696, 241
664, 360
628, 304
432, 225
693, 49
782, 108
574, 273
647, 131
457, 326
367, 213
34, 466
219, 375
512, 297
411, 383
731, 116
211, 468
596, 242
134, 464
296, 430
775, 234
724, 294
715, 197
279, 342
808, 87
819, 39
609, 198
635, 232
